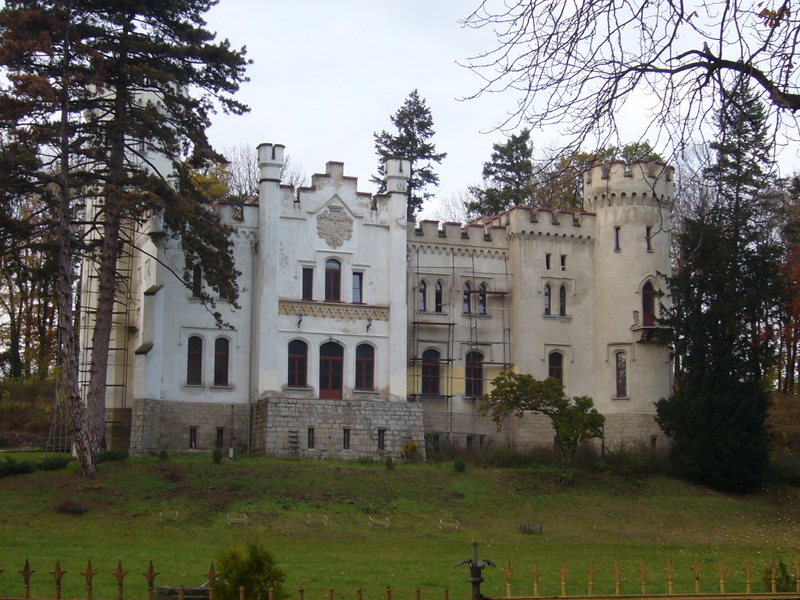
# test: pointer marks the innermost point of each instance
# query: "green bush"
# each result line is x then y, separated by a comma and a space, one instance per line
109, 455
410, 451
162, 455
389, 463
54, 463
251, 565
784, 581
217, 455
459, 465
13, 467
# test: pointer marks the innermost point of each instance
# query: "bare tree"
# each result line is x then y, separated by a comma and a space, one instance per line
450, 208
243, 172
574, 64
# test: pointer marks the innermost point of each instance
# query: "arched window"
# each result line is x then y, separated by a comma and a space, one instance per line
466, 302
423, 299
365, 367
430, 373
548, 297
298, 364
221, 359
474, 375
621, 374
194, 361
648, 305
439, 298
562, 301
331, 357
482, 300
333, 281
555, 366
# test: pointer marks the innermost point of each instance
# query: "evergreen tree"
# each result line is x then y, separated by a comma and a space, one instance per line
509, 175
725, 292
414, 125
108, 102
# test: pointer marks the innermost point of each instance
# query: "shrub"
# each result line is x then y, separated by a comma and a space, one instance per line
217, 455
109, 455
68, 506
459, 465
54, 463
784, 581
389, 463
13, 467
162, 455
411, 451
251, 565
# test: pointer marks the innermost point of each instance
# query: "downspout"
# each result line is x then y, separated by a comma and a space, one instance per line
250, 391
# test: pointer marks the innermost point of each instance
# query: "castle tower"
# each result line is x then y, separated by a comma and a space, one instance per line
632, 203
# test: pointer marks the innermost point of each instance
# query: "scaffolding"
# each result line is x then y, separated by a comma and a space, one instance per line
458, 326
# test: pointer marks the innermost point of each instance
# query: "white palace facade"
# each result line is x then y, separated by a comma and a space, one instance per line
359, 331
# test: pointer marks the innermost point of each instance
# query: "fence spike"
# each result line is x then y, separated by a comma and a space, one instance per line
536, 571
120, 575
88, 575
509, 573
58, 574
591, 571
722, 569
563, 572
696, 570
748, 572
26, 573
151, 577
796, 573
643, 572
774, 569
617, 570
212, 579
670, 569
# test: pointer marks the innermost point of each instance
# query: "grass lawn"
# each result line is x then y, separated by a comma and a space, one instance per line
597, 517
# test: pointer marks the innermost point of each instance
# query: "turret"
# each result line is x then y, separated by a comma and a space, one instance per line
618, 183
270, 161
397, 173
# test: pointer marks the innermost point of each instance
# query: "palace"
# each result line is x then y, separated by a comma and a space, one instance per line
359, 331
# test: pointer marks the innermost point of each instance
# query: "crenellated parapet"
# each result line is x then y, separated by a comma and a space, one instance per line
639, 183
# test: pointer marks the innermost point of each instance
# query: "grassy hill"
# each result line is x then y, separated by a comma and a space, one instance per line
600, 517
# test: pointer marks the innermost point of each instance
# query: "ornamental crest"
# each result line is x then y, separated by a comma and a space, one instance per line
334, 226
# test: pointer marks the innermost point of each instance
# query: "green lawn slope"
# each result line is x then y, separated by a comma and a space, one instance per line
594, 517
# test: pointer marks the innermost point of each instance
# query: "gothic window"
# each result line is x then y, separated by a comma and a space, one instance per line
365, 367
430, 373
648, 305
548, 297
555, 366
423, 300
474, 375
466, 302
439, 299
562, 301
333, 279
194, 361
621, 374
221, 360
298, 364
482, 300
331, 358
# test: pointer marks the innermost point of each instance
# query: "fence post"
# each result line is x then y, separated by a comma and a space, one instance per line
120, 575
696, 571
509, 573
330, 593
57, 574
26, 577
271, 593
88, 575
475, 568
591, 572
151, 577
446, 593
618, 576
670, 577
416, 593
388, 592
722, 570
748, 572
212, 580
643, 572
181, 592
359, 594
301, 594
241, 592
563, 572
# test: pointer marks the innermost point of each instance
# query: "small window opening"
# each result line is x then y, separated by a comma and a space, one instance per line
311, 440
381, 439
345, 439
547, 261
617, 247
192, 438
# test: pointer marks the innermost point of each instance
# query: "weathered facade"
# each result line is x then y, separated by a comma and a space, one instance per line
358, 332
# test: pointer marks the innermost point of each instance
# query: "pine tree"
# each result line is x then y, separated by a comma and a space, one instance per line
414, 125
509, 176
109, 102
725, 291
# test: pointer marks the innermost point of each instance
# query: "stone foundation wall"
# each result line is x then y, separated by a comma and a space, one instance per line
165, 425
281, 427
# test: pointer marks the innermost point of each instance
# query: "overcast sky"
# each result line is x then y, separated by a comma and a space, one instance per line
327, 74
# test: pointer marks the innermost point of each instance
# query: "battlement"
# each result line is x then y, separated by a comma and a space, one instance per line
456, 233
617, 183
